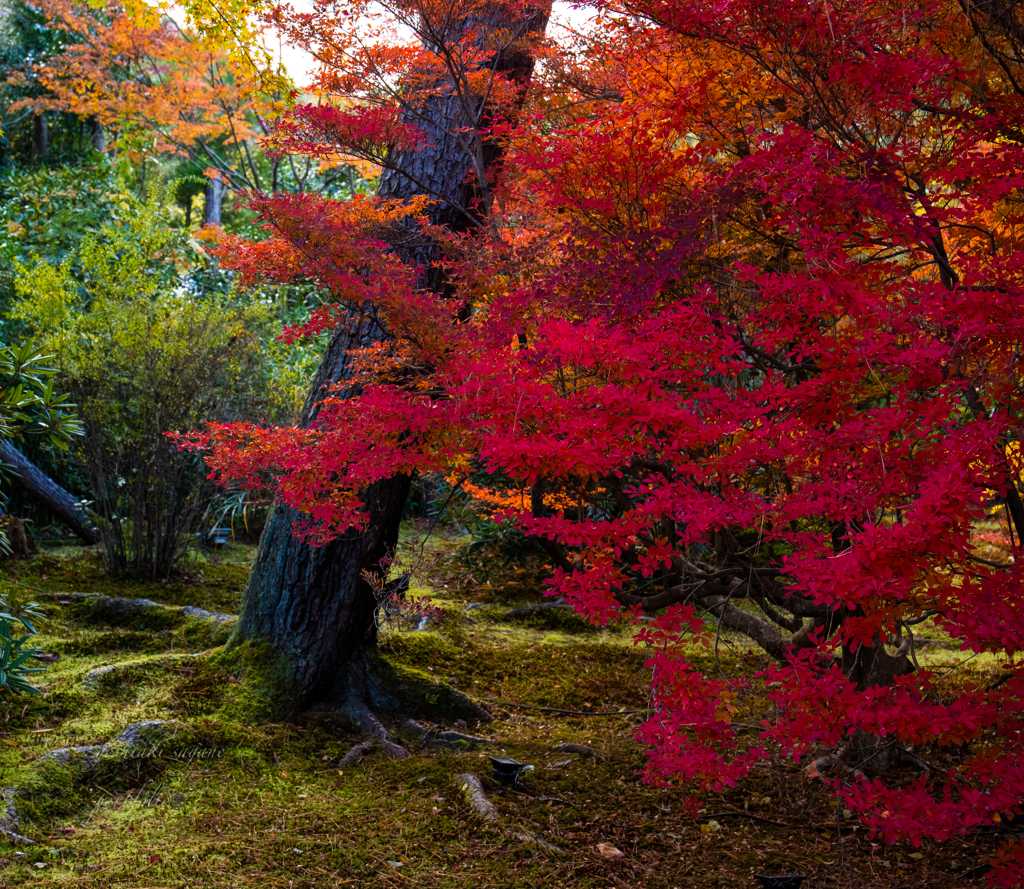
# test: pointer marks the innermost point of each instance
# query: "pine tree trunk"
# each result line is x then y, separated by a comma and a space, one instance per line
313, 605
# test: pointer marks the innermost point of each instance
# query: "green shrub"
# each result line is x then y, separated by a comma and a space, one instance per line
145, 355
16, 629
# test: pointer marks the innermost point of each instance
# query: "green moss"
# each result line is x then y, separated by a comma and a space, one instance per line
123, 680
54, 788
413, 692
237, 788
203, 633
123, 614
214, 582
104, 642
203, 688
264, 677
561, 619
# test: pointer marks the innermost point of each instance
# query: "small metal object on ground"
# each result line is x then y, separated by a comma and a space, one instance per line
781, 881
507, 771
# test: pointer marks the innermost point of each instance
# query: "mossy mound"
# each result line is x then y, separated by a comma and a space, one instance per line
55, 786
148, 618
65, 781
563, 620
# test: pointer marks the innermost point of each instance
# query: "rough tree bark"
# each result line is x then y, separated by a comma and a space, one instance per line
314, 606
42, 488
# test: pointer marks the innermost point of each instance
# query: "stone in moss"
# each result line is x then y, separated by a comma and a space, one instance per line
56, 786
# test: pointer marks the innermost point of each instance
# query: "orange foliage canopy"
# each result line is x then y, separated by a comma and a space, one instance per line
142, 73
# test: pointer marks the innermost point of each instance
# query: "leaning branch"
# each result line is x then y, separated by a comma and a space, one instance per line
66, 507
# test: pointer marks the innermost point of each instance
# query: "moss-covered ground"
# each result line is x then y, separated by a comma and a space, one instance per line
222, 803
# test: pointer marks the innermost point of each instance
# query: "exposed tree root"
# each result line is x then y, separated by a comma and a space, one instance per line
526, 610
865, 753
355, 708
372, 684
473, 791
356, 754
9, 822
58, 777
146, 614
581, 749
435, 739
112, 672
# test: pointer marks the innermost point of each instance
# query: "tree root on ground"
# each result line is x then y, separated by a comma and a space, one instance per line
430, 738
355, 708
443, 740
581, 749
99, 676
9, 821
865, 753
473, 791
356, 754
525, 610
371, 683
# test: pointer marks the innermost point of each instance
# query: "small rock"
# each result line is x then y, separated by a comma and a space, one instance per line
215, 616
93, 678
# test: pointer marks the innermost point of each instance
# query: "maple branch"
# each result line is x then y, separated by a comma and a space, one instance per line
252, 166
982, 561
760, 631
1012, 496
829, 622
654, 466
793, 624
759, 354
800, 606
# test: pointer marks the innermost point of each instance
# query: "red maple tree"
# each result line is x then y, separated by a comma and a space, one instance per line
744, 320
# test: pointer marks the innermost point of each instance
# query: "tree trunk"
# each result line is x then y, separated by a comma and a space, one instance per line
94, 130
40, 137
42, 488
870, 667
213, 199
313, 605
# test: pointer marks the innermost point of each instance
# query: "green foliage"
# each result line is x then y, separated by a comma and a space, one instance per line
494, 547
145, 355
29, 405
16, 628
48, 213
